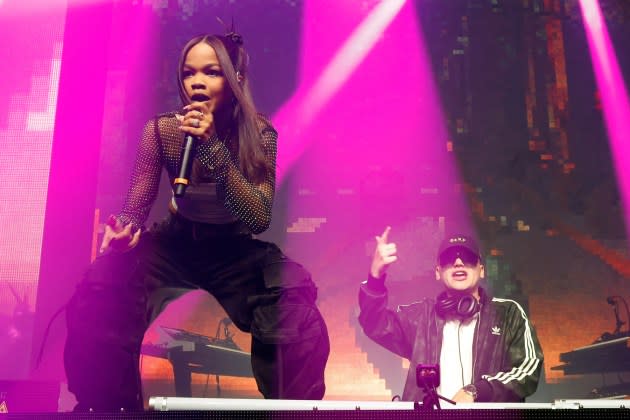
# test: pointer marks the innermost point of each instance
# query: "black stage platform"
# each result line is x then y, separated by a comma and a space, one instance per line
508, 414
212, 408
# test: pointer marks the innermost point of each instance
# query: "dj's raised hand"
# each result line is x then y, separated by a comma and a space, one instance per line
384, 254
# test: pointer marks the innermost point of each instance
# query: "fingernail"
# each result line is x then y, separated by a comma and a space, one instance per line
111, 221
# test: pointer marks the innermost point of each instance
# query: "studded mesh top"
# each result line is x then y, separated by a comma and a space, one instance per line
215, 169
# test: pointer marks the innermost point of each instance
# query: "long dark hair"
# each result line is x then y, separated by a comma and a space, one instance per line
233, 60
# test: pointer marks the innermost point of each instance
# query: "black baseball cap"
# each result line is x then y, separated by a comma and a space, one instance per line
450, 243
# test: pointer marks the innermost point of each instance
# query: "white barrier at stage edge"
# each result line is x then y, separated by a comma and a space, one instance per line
245, 404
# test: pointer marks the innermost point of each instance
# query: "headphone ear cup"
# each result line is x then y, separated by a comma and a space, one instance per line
459, 306
467, 306
445, 305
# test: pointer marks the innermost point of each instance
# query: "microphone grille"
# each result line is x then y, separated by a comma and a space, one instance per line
171, 114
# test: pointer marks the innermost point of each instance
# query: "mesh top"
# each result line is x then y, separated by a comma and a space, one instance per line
216, 161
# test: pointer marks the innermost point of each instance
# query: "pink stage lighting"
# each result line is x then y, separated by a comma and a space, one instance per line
365, 124
613, 92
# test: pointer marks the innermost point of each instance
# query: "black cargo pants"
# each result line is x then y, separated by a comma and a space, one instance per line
262, 291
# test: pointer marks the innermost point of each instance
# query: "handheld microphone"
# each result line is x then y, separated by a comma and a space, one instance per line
188, 154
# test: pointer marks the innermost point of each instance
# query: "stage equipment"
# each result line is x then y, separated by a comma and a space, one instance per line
241, 404
428, 378
191, 353
610, 353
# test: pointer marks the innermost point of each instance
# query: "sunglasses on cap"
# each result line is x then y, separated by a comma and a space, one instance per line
448, 257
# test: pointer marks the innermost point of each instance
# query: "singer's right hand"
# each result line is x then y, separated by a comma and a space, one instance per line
198, 120
118, 237
384, 254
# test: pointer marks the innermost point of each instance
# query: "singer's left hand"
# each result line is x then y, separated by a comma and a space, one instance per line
197, 121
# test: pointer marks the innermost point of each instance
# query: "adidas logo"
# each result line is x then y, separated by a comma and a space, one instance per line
496, 330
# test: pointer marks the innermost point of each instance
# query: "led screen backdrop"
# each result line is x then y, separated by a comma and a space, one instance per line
30, 62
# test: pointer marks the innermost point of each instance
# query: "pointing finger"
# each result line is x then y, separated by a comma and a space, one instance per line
383, 238
105, 243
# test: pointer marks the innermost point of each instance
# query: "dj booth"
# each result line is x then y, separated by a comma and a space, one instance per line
243, 409
304, 406
189, 353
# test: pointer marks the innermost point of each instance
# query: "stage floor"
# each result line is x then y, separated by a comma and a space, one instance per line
243, 409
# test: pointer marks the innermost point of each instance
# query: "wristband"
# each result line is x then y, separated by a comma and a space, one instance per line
471, 390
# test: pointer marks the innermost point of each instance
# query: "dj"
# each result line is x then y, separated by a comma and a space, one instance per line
486, 347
